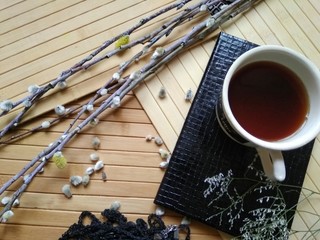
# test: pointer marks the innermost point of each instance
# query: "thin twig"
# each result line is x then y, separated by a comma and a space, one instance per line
124, 85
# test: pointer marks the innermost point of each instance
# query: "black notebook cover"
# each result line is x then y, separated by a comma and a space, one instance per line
214, 180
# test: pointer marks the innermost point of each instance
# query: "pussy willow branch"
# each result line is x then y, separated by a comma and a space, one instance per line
85, 63
34, 97
125, 84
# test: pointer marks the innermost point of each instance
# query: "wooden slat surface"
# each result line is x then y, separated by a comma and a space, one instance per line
39, 39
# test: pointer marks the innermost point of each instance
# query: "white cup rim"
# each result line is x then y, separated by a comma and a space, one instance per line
283, 144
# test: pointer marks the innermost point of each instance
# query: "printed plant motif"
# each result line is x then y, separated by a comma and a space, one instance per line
267, 217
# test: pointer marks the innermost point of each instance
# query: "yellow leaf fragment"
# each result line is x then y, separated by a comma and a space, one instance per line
59, 160
122, 41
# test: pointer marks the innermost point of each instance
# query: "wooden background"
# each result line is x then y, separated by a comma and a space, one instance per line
39, 39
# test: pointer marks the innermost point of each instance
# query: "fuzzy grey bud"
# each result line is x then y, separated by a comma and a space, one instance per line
103, 91
62, 84
45, 124
60, 110
115, 102
6, 105
33, 88
116, 76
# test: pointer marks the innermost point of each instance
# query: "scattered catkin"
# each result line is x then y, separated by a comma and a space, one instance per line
189, 95
99, 165
94, 157
164, 154
115, 205
94, 122
164, 165
185, 221
75, 180
85, 180
96, 143
149, 138
158, 140
104, 176
162, 92
160, 211
66, 189
89, 170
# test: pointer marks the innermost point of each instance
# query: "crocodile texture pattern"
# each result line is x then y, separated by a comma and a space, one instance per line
203, 151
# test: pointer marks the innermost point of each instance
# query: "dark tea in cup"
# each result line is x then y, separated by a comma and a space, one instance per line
268, 100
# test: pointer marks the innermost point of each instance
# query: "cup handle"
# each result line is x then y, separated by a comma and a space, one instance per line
272, 163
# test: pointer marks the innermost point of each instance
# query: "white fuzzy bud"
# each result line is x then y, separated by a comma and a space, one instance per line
103, 92
25, 177
89, 170
63, 137
162, 92
203, 8
160, 211
85, 180
66, 189
96, 142
149, 138
6, 215
210, 22
99, 165
158, 140
62, 84
5, 200
94, 122
116, 102
75, 180
189, 95
16, 202
134, 75
164, 165
116, 76
223, 6
94, 157
115, 205
90, 107
60, 110
45, 124
158, 53
145, 49
164, 154
33, 88
6, 105
185, 221
26, 103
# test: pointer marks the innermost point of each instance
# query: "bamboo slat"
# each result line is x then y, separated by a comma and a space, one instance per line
39, 39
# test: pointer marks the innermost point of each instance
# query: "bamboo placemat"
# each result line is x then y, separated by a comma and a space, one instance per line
39, 39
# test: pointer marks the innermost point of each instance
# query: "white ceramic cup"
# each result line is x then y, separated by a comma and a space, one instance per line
270, 151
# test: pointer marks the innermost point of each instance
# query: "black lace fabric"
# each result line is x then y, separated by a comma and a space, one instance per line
116, 226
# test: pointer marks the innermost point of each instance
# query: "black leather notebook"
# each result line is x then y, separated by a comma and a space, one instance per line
219, 182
